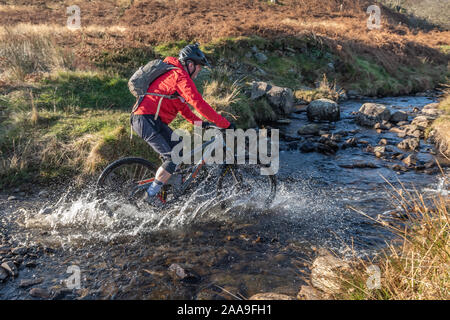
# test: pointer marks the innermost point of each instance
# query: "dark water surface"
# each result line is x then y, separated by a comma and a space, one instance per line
126, 253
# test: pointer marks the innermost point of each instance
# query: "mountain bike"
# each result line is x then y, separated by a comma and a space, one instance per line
130, 177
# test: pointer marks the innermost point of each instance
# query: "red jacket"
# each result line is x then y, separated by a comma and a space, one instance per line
178, 80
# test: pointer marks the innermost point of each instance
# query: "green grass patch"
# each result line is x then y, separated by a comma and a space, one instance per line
69, 91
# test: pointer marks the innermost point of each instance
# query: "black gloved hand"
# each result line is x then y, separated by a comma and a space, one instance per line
232, 126
206, 125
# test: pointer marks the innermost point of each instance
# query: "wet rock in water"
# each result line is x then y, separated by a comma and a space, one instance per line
46, 211
349, 143
3, 274
323, 109
31, 264
12, 198
326, 149
309, 293
398, 167
4, 250
19, 250
398, 156
284, 121
309, 129
271, 296
432, 110
10, 267
409, 144
184, 274
422, 122
359, 165
325, 272
371, 113
383, 142
381, 149
40, 293
43, 194
336, 137
401, 133
402, 123
364, 165
281, 98
308, 147
30, 282
62, 293
410, 160
399, 116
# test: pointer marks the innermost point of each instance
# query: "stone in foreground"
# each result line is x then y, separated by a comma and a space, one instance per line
323, 110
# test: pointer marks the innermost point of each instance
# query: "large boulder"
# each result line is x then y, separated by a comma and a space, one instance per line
409, 144
282, 99
432, 110
399, 116
259, 88
371, 113
422, 122
326, 272
323, 109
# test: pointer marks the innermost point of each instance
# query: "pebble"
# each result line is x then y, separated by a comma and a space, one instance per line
45, 210
3, 274
10, 267
30, 282
19, 250
40, 293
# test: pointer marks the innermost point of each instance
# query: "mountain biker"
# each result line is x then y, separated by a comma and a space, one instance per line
157, 133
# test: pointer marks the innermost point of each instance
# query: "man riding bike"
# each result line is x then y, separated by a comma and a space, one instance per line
151, 118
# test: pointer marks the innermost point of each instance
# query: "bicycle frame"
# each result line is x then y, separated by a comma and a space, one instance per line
206, 149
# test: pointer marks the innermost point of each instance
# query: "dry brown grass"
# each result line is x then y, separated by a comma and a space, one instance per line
25, 53
416, 265
142, 23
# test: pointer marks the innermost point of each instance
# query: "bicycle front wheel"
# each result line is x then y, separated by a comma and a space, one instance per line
123, 176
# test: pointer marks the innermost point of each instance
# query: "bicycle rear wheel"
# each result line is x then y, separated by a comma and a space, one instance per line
246, 183
123, 176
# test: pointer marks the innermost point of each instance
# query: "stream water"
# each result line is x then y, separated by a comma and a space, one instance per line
126, 253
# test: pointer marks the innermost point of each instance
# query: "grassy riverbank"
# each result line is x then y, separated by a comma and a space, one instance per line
64, 100
416, 265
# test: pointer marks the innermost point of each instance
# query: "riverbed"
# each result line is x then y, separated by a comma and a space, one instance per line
193, 251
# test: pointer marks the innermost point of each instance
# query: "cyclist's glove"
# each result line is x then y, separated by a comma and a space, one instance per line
206, 125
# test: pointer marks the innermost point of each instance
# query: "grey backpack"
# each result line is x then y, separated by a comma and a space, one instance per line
143, 77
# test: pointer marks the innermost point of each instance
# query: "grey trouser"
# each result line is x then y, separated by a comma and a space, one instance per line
157, 134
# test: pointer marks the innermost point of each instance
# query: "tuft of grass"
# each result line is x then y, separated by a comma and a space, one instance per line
415, 266
28, 53
325, 90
